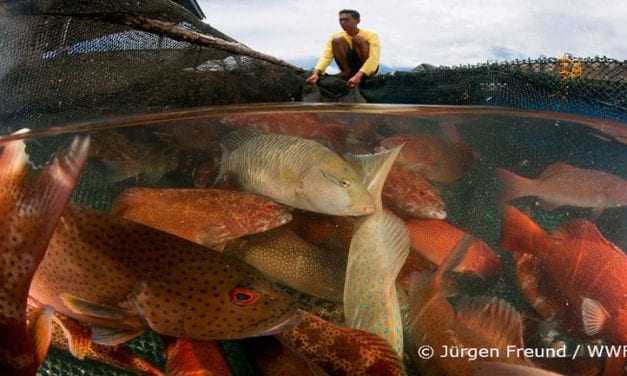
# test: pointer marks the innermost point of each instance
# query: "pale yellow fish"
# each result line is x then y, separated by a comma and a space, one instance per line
378, 249
293, 171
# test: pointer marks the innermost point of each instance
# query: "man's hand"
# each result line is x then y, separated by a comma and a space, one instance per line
313, 79
355, 80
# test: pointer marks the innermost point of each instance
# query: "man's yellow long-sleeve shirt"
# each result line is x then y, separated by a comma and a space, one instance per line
370, 65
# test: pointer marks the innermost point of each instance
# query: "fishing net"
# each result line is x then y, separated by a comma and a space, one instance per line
76, 61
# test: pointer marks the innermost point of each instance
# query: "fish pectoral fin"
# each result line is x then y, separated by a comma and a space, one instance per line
594, 316
112, 336
492, 318
78, 336
41, 331
87, 308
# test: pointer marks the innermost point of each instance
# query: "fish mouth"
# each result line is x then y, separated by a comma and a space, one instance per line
437, 214
288, 321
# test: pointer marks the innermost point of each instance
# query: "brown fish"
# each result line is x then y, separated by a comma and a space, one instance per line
433, 157
326, 231
70, 335
561, 184
185, 357
146, 162
30, 209
289, 260
122, 277
272, 358
409, 195
209, 217
342, 351
275, 166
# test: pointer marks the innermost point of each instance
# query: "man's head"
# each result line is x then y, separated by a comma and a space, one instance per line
349, 19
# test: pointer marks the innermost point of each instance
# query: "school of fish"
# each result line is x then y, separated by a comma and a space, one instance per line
297, 204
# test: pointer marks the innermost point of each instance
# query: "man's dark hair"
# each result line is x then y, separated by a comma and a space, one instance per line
352, 12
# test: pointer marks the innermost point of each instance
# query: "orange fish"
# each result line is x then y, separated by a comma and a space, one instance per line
434, 239
342, 351
70, 335
122, 277
408, 194
561, 184
185, 357
30, 209
272, 358
209, 217
582, 266
479, 322
433, 157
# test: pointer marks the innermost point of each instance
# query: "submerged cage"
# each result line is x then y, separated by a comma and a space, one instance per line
157, 88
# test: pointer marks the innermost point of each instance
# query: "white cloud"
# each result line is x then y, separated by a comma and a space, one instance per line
446, 32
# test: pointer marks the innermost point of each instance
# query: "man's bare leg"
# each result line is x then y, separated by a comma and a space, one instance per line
340, 53
362, 48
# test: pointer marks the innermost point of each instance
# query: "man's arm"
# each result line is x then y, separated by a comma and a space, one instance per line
323, 62
371, 64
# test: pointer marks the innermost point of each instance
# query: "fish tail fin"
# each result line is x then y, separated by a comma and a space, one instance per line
374, 169
453, 259
519, 233
513, 186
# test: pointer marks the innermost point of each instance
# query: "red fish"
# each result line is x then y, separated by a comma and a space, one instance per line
478, 322
274, 359
408, 194
186, 357
438, 160
305, 125
580, 265
561, 184
209, 217
434, 239
342, 351
30, 210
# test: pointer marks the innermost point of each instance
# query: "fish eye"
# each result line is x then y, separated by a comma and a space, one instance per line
242, 296
345, 183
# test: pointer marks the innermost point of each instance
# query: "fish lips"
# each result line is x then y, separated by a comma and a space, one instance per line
287, 322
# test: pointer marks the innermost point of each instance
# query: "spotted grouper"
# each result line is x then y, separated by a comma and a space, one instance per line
122, 277
30, 208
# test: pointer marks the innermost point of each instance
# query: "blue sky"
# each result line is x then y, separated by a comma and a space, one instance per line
439, 32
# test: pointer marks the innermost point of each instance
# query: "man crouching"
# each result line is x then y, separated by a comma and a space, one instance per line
356, 51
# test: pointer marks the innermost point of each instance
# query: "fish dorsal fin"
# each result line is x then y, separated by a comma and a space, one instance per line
492, 318
594, 316
87, 308
374, 169
554, 169
112, 336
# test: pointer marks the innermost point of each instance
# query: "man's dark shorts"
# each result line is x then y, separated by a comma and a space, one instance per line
355, 62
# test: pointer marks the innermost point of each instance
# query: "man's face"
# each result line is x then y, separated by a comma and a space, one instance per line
348, 22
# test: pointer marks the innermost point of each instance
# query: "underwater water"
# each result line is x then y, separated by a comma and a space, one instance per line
541, 197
